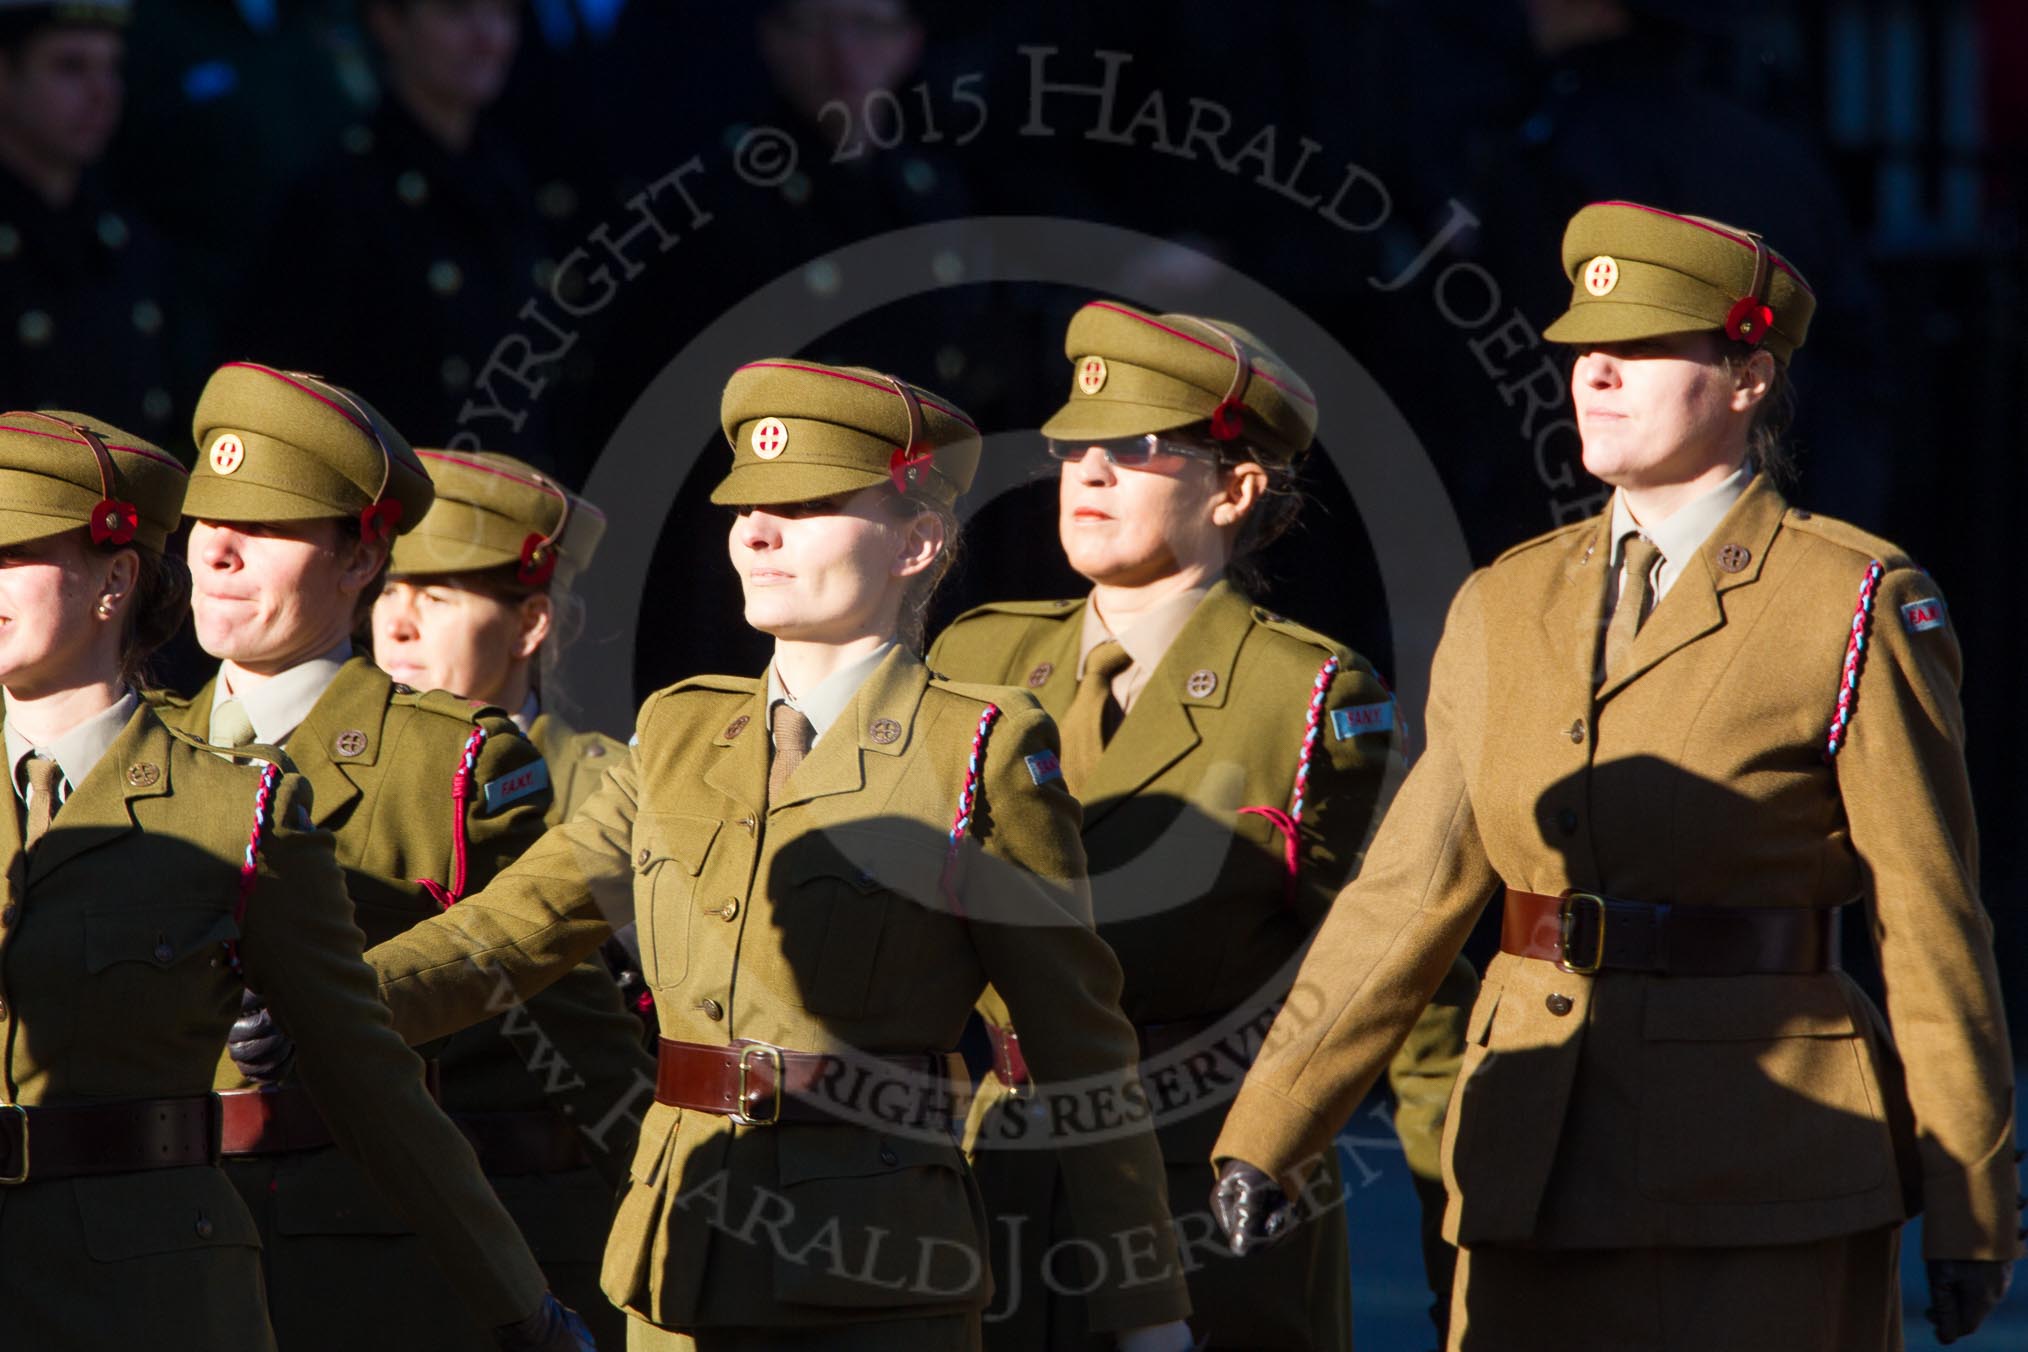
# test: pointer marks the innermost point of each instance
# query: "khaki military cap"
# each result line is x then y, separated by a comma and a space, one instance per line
801, 431
53, 478
284, 446
1134, 373
1639, 272
493, 510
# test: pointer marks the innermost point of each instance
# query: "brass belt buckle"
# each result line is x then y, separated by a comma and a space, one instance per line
773, 1056
10, 1180
1566, 926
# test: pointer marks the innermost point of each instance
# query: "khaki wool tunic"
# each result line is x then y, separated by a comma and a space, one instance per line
1630, 1111
819, 922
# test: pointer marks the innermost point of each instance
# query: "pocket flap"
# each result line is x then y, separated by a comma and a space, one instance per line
678, 836
160, 935
161, 1211
808, 1153
1746, 1009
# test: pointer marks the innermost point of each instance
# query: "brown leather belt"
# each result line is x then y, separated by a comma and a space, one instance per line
759, 1085
276, 1119
70, 1140
1156, 1039
531, 1141
1584, 932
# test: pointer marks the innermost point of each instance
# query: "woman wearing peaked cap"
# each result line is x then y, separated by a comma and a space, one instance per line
827, 863
142, 872
299, 489
1681, 736
1231, 765
478, 600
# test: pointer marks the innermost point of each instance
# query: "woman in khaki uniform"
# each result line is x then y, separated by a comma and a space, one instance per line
828, 863
1681, 736
142, 872
299, 490
1231, 765
478, 600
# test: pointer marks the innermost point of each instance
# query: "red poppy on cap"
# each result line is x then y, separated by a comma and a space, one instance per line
1228, 420
378, 522
538, 561
905, 466
114, 522
1748, 321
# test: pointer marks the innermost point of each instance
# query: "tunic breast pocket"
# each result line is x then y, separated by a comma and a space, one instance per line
848, 941
158, 982
669, 853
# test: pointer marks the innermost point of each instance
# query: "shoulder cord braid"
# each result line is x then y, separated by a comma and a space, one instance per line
968, 798
461, 796
249, 868
1855, 663
1290, 823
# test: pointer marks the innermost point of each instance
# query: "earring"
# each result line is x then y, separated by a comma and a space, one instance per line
105, 609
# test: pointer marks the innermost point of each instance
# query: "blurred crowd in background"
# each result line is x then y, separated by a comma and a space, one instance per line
489, 217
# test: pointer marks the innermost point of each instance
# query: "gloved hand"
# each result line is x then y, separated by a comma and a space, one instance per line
1173, 1336
1250, 1207
1962, 1292
554, 1327
259, 1047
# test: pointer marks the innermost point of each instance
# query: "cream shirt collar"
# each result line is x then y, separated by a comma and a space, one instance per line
832, 697
76, 751
277, 706
531, 709
1680, 534
1147, 640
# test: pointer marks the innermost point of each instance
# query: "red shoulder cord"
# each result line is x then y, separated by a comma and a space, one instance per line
1290, 823
968, 797
461, 797
249, 868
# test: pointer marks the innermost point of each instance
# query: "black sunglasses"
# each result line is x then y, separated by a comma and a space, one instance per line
1129, 452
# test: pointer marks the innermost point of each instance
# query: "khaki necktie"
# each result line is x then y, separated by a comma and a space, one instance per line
1640, 557
45, 777
1084, 725
793, 735
230, 726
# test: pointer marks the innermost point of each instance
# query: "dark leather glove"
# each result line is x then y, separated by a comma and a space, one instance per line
1250, 1207
259, 1047
1962, 1292
554, 1327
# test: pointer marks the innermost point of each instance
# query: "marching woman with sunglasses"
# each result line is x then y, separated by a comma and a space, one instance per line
827, 863
148, 879
1231, 764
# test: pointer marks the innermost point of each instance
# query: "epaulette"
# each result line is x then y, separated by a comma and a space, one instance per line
1303, 634
1847, 536
1561, 533
722, 685
165, 699
1030, 609
984, 693
465, 711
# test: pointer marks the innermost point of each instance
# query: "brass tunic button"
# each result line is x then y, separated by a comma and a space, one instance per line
203, 1227
641, 859
1566, 821
3, 1011
888, 1157
11, 913
749, 822
594, 751
1558, 1004
712, 1010
1577, 732
730, 910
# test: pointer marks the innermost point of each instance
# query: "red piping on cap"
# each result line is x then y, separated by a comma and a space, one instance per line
1722, 234
522, 479
856, 380
142, 451
1291, 391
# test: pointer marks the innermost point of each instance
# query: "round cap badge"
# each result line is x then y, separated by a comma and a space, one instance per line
769, 438
1091, 374
1601, 275
227, 454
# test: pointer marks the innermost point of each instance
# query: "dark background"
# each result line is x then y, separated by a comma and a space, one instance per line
265, 182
